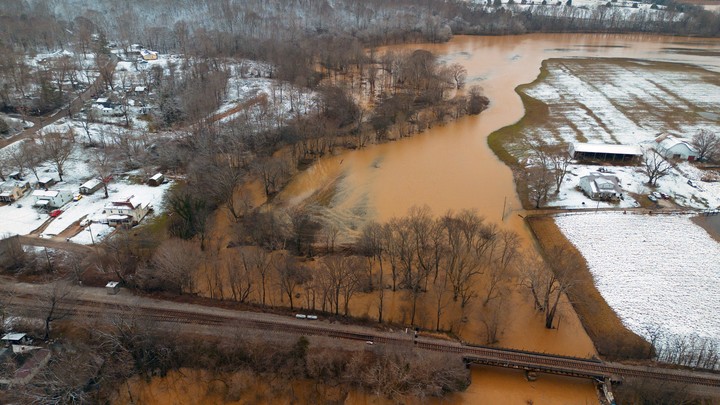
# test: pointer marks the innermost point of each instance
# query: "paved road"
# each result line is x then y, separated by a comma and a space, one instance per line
95, 303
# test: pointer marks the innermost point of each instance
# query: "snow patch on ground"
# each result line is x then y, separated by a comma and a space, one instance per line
654, 271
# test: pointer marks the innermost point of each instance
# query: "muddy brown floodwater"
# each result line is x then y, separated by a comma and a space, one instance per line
452, 167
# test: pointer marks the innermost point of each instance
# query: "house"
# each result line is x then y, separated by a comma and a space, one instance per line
156, 180
148, 55
599, 186
52, 198
102, 102
671, 147
13, 191
45, 182
129, 211
140, 90
601, 151
91, 186
16, 176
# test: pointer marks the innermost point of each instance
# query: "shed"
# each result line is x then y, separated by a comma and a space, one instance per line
15, 176
601, 151
91, 186
112, 287
156, 180
15, 338
671, 147
45, 182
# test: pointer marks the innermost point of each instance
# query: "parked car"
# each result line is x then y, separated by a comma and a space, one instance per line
652, 198
665, 196
56, 213
657, 195
78, 197
691, 183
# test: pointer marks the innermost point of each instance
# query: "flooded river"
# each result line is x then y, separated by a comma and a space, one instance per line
452, 167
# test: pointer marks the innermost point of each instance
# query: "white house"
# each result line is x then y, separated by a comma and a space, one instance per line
600, 186
671, 147
129, 211
52, 198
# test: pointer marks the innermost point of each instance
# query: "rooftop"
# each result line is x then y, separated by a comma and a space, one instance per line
608, 148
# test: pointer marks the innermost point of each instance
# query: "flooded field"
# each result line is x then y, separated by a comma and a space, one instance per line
623, 101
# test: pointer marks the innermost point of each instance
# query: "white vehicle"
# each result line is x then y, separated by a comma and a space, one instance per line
301, 316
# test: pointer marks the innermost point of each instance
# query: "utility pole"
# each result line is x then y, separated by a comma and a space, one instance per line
503, 211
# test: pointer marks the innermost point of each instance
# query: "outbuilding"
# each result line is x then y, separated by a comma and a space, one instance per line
45, 182
91, 186
112, 287
156, 180
602, 151
671, 147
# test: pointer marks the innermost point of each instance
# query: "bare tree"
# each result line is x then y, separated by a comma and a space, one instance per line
27, 155
655, 167
5, 164
290, 276
547, 282
260, 261
491, 316
88, 119
176, 262
458, 74
241, 276
372, 245
707, 144
344, 275
559, 160
58, 147
103, 163
59, 293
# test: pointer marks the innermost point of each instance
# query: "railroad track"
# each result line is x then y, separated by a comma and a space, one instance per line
510, 358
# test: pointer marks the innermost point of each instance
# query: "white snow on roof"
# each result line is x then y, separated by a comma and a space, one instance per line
91, 183
13, 336
668, 142
608, 148
45, 193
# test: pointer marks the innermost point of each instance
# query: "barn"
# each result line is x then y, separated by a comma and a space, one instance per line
605, 152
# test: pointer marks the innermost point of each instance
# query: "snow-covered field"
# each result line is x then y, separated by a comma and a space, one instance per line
655, 271
625, 102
